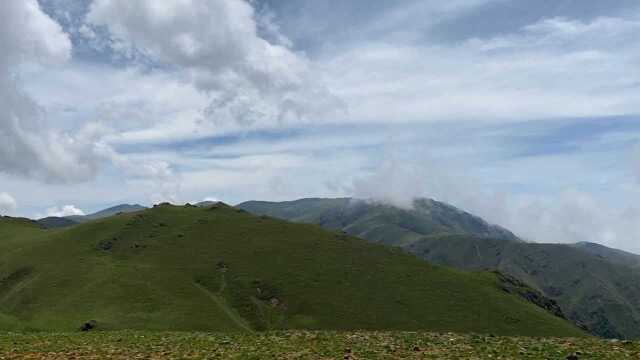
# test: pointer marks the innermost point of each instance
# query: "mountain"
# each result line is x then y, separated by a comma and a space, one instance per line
381, 223
595, 286
124, 208
223, 269
53, 222
604, 296
609, 254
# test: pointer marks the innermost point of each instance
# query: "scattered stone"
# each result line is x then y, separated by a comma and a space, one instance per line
222, 266
107, 245
88, 326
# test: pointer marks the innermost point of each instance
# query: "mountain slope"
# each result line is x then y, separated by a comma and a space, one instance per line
612, 255
603, 296
379, 222
221, 269
53, 222
595, 286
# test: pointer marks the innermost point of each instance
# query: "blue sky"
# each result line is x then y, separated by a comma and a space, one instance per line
524, 112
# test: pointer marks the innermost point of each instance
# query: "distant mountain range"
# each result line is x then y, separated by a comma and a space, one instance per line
218, 268
596, 287
61, 222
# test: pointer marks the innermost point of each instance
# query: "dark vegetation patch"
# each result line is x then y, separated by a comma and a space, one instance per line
9, 281
107, 245
514, 286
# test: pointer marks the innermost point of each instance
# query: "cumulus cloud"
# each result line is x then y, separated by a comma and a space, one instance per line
7, 203
248, 79
29, 147
66, 210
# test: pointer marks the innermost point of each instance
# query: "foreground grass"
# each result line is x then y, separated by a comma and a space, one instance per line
304, 345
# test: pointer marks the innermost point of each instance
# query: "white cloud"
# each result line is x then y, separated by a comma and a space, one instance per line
66, 210
551, 69
7, 203
27, 33
29, 147
247, 79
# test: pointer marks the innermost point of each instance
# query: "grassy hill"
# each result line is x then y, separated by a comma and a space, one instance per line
54, 222
222, 269
124, 208
602, 295
595, 286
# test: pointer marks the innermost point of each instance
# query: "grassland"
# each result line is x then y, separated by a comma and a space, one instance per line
595, 286
177, 268
304, 345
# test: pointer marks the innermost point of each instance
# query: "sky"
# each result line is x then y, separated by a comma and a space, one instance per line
522, 112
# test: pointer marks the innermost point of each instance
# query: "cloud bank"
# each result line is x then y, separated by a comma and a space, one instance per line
554, 68
29, 147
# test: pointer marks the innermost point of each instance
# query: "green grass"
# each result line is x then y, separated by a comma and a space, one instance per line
190, 269
304, 345
596, 287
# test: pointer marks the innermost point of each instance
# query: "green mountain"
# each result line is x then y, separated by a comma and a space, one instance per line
124, 208
381, 223
596, 287
609, 254
53, 222
223, 269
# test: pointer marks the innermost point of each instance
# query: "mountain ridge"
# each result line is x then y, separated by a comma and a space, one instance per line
600, 293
